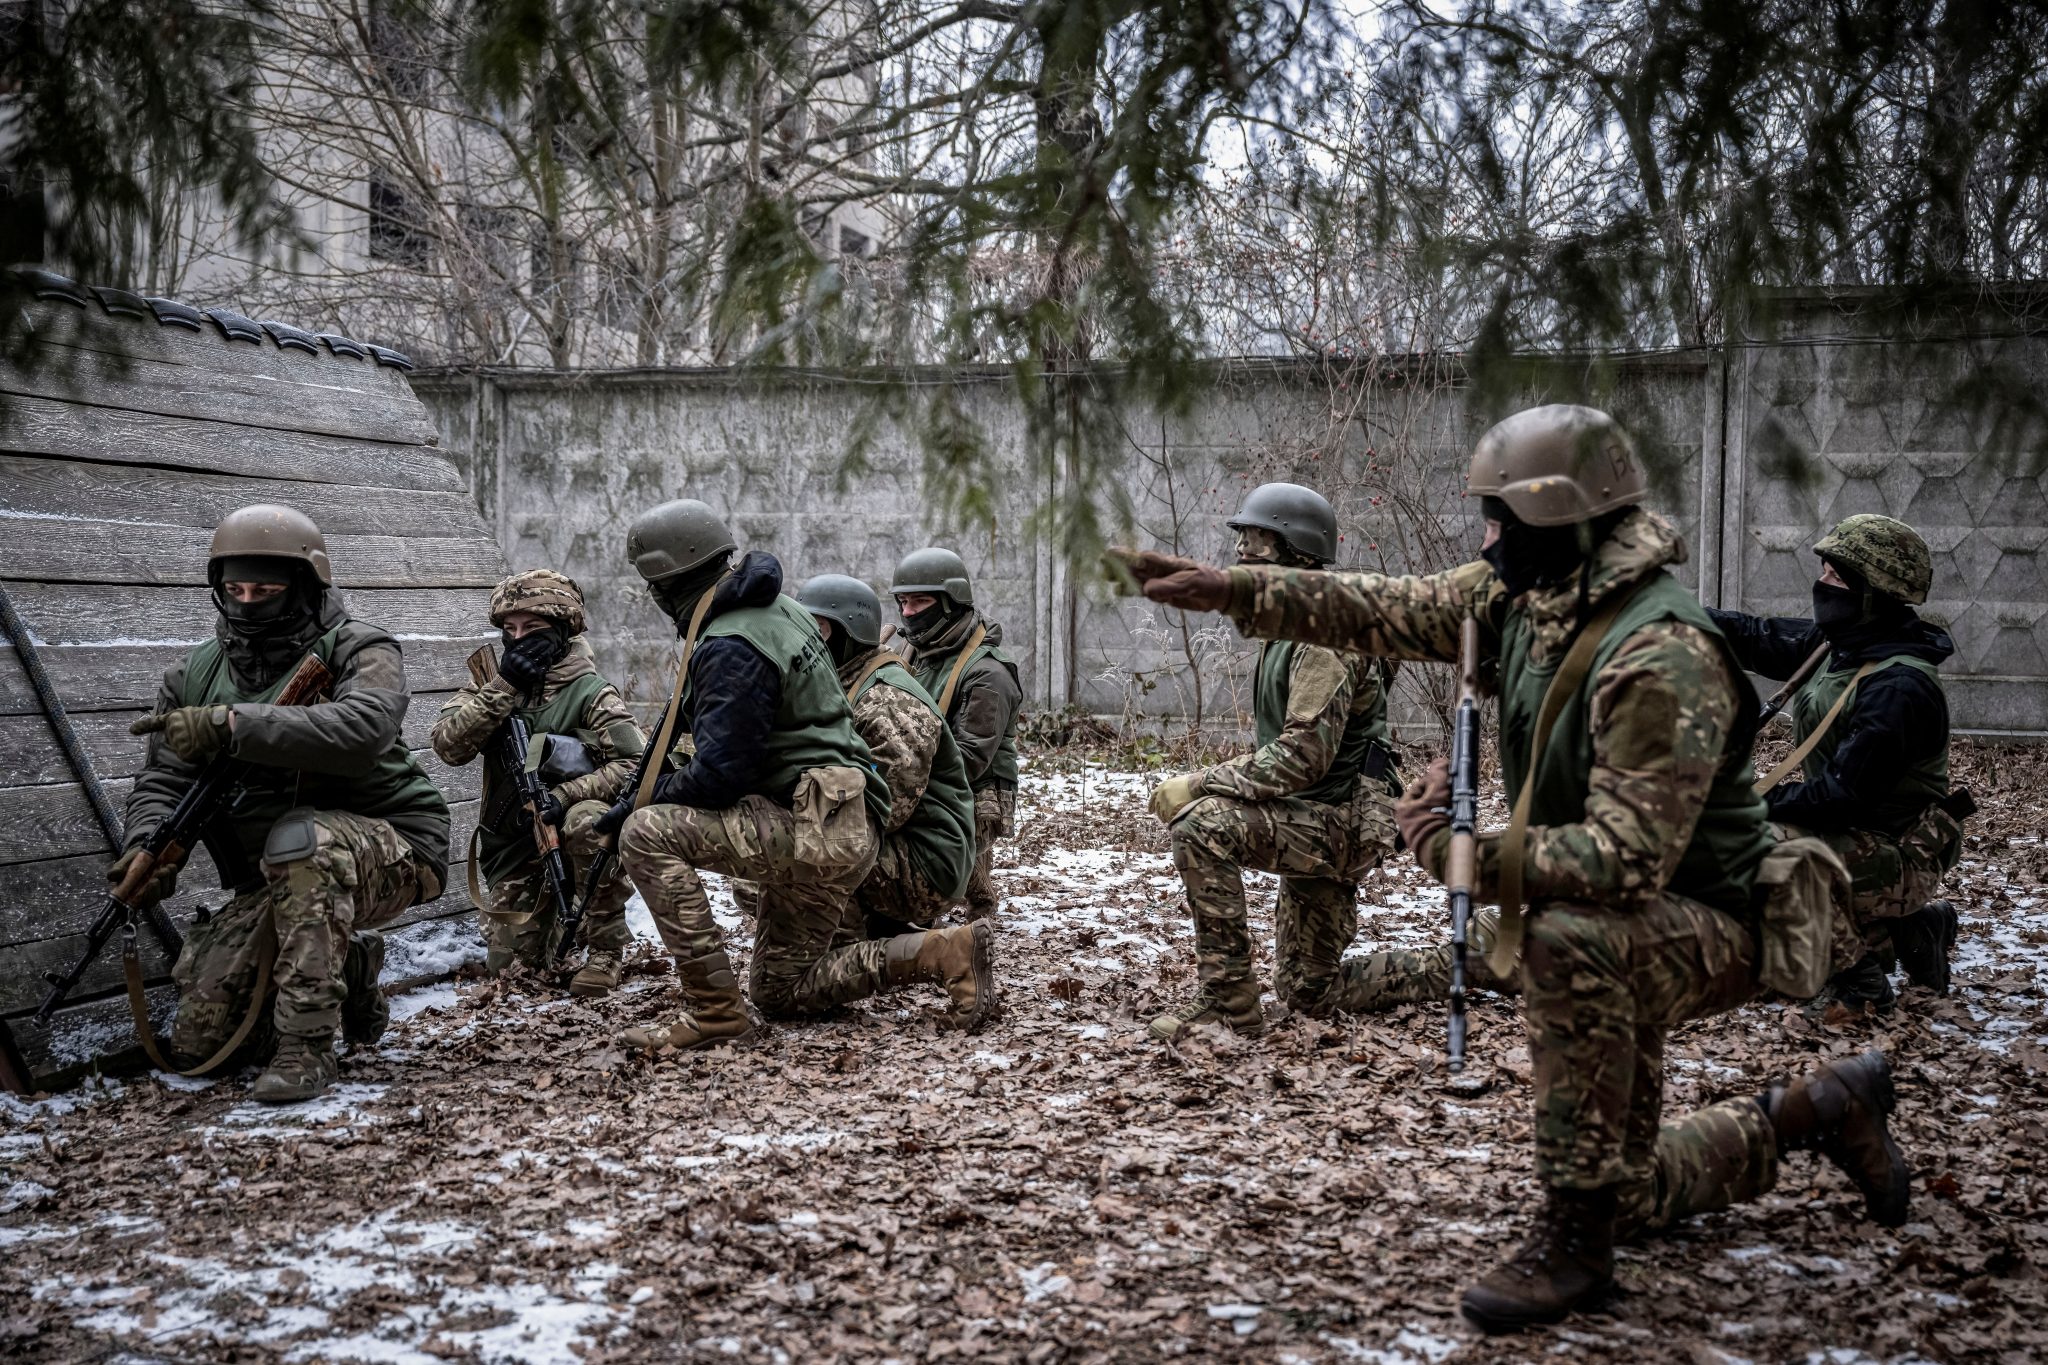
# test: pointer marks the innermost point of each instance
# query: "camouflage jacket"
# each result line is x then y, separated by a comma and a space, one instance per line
1663, 707
470, 717
902, 732
1325, 690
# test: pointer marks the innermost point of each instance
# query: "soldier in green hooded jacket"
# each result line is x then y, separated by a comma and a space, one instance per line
1642, 849
548, 678
1873, 720
1313, 801
957, 657
336, 830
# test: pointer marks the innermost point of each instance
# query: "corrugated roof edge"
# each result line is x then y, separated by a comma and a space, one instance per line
121, 303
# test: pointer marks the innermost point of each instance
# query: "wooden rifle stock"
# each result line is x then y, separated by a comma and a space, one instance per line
1793, 684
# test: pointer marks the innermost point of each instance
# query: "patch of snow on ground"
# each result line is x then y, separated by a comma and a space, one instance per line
435, 947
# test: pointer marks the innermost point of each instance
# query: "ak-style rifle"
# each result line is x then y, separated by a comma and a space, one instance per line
212, 795
1460, 864
512, 742
1793, 684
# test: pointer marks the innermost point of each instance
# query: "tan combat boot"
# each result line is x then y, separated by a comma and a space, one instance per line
1567, 1264
1840, 1112
1232, 1004
961, 958
599, 974
717, 1013
301, 1069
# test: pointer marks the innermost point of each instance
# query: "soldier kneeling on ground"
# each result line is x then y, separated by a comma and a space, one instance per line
586, 744
1313, 802
779, 789
1871, 729
337, 828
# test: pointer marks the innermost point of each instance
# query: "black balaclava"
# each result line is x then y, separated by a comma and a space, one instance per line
558, 629
285, 614
842, 645
1844, 614
934, 620
678, 595
1526, 556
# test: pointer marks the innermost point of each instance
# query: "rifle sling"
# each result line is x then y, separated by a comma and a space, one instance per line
1564, 684
1798, 755
138, 1007
873, 666
665, 735
960, 666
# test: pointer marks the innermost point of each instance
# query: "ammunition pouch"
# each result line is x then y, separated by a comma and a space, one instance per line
1805, 930
560, 758
830, 825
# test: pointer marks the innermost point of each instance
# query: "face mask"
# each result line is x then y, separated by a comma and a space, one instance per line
1526, 557
252, 619
841, 646
928, 622
1836, 609
560, 645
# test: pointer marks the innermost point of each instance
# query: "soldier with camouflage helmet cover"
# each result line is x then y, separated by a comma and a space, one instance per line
1641, 853
337, 829
1874, 784
548, 677
956, 655
1313, 802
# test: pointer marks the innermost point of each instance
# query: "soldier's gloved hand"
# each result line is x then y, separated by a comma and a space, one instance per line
528, 659
1182, 583
1173, 796
613, 820
193, 733
162, 880
552, 811
1424, 808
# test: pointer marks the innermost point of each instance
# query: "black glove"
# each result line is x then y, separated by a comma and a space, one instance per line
613, 820
552, 811
528, 659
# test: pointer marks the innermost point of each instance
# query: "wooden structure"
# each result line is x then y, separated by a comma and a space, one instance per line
135, 427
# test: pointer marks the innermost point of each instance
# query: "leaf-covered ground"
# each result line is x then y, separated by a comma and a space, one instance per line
498, 1181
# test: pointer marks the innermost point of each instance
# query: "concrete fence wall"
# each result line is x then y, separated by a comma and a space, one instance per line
1754, 450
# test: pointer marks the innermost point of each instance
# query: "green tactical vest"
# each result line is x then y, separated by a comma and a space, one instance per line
813, 723
1364, 731
1913, 788
1720, 863
931, 675
940, 831
396, 789
509, 848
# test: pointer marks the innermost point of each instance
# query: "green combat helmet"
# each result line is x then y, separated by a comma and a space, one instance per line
1888, 555
1557, 465
939, 572
846, 601
1301, 517
269, 530
676, 537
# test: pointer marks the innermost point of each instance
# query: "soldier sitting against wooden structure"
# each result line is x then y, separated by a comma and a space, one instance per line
336, 829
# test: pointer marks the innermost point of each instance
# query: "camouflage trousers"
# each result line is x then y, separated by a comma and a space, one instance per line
520, 924
327, 873
807, 957
1890, 878
995, 817
896, 898
1319, 850
1601, 989
1394, 977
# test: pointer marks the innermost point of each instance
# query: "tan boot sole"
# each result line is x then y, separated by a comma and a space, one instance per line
663, 1039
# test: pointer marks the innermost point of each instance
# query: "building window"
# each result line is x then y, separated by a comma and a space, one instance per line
398, 229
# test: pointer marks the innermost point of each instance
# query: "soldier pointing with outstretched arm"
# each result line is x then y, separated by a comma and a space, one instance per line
1638, 841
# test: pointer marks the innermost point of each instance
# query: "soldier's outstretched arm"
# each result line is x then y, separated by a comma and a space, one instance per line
469, 719
1774, 646
1320, 686
1663, 709
346, 735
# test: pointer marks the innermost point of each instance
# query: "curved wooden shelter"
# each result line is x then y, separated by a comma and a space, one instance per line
133, 426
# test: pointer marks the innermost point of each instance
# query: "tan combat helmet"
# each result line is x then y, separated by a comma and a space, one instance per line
545, 593
1557, 465
270, 530
1889, 555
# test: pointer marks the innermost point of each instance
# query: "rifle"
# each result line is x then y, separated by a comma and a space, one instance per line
513, 740
1460, 865
607, 851
215, 792
1793, 684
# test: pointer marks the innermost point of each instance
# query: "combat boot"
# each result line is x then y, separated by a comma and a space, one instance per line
599, 974
717, 1013
1233, 1004
1567, 1264
301, 1069
365, 1013
1862, 988
1924, 940
1840, 1112
960, 958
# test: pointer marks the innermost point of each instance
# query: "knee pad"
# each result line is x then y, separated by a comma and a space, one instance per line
293, 839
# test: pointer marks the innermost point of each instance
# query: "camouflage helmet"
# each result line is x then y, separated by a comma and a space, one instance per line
1889, 555
936, 571
270, 530
675, 538
1301, 517
543, 592
846, 601
1557, 465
